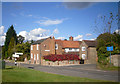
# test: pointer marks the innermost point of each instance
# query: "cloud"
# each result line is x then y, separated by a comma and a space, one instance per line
1, 30
55, 31
49, 22
2, 40
88, 34
35, 34
78, 38
93, 39
62, 38
2, 35
117, 31
30, 15
77, 5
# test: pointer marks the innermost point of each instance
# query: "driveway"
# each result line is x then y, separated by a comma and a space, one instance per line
86, 70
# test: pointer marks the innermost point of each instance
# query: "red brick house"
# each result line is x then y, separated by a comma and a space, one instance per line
54, 46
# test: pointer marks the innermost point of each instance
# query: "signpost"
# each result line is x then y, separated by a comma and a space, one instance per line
16, 55
110, 49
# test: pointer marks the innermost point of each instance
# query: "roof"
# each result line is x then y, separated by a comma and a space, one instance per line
39, 41
68, 44
90, 43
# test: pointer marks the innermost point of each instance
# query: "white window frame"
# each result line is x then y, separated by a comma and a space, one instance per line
34, 57
83, 48
83, 56
37, 47
56, 46
37, 57
31, 55
31, 47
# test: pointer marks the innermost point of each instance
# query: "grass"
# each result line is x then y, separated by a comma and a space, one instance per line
15, 74
107, 67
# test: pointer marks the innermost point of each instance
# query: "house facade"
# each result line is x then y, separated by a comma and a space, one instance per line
88, 52
51, 45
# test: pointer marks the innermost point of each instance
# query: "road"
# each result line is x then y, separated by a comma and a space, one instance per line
86, 70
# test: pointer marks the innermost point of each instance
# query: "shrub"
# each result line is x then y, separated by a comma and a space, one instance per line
54, 57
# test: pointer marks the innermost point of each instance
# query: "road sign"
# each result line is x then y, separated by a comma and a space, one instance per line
18, 53
15, 55
110, 48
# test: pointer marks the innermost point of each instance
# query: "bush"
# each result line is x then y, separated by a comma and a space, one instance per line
54, 57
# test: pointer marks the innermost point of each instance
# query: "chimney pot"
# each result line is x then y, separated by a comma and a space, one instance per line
71, 38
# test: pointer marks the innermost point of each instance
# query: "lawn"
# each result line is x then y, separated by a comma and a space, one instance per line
15, 74
107, 67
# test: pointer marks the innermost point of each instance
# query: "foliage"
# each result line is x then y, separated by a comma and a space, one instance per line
106, 40
10, 33
25, 49
11, 47
20, 39
54, 57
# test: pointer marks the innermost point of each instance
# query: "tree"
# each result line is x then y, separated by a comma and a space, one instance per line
25, 49
11, 47
20, 39
3, 52
106, 40
10, 33
32, 41
106, 24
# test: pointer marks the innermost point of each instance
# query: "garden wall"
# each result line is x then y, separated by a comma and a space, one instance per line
115, 59
60, 63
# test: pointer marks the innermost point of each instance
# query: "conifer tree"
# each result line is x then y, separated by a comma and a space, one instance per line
10, 33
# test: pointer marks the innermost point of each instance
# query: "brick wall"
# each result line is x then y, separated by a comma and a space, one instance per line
34, 52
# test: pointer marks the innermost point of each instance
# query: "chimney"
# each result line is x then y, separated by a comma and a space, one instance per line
53, 37
71, 38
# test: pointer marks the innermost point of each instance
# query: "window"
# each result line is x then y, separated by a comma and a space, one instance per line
31, 55
83, 56
37, 47
76, 49
83, 48
70, 48
34, 57
31, 47
56, 46
37, 57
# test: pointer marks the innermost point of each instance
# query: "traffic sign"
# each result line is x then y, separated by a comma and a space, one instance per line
110, 48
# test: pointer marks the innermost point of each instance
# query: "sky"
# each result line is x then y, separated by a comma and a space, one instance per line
37, 20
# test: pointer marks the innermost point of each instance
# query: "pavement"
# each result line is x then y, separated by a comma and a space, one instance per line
82, 70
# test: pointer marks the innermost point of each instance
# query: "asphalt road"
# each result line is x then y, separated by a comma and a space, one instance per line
86, 70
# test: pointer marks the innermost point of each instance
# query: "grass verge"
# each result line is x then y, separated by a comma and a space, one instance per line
15, 74
107, 67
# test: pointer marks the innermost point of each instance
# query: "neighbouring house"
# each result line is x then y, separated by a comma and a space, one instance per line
67, 46
51, 45
88, 51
